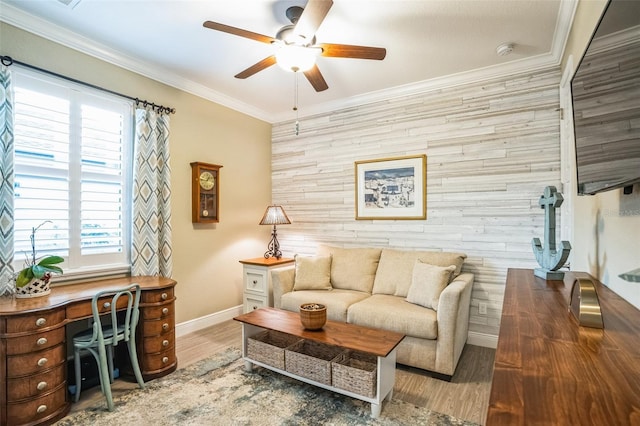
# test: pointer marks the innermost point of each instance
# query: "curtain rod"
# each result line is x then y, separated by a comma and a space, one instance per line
8, 61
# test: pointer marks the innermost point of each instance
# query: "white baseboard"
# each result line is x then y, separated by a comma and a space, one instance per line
207, 321
482, 339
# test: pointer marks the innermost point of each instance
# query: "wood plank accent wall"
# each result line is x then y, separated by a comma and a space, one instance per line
606, 89
491, 147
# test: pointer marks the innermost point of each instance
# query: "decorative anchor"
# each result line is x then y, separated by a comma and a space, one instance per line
548, 258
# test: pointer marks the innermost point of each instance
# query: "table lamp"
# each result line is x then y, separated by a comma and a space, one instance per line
274, 215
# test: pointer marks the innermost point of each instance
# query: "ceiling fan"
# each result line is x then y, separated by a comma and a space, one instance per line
296, 48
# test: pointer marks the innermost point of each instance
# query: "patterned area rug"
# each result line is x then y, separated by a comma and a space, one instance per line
218, 391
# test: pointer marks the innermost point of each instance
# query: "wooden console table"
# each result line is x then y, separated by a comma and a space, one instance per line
548, 370
33, 350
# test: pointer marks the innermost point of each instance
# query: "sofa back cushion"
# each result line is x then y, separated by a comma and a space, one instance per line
395, 270
352, 268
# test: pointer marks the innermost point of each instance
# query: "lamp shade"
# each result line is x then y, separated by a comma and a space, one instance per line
296, 58
275, 215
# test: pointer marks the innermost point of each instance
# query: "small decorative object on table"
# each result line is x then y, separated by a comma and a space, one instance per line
33, 280
584, 303
313, 316
549, 258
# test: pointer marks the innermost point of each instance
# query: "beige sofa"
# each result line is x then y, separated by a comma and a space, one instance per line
422, 294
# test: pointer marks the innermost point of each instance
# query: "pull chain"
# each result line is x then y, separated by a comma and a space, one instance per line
295, 102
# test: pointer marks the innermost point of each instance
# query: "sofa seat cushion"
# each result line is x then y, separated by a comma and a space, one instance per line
394, 314
395, 270
337, 301
352, 268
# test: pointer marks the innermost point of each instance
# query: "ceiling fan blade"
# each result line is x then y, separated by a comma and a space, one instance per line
350, 51
263, 64
314, 13
316, 79
238, 31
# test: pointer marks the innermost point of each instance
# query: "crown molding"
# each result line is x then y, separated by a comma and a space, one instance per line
626, 37
45, 29
468, 77
55, 33
566, 14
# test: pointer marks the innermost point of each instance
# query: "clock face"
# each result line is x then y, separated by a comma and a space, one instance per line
207, 181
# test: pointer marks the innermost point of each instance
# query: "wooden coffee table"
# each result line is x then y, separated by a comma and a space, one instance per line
379, 343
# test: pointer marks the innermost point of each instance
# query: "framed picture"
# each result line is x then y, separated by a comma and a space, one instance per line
392, 188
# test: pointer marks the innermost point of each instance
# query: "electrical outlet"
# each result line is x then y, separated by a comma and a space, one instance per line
482, 308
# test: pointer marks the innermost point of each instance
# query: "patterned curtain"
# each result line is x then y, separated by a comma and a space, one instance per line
151, 251
7, 286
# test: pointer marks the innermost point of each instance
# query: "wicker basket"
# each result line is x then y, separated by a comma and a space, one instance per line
311, 360
355, 372
313, 316
268, 347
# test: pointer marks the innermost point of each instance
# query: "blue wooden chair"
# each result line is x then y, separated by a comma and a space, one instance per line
102, 338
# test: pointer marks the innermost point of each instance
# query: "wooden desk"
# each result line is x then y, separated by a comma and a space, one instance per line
33, 350
550, 371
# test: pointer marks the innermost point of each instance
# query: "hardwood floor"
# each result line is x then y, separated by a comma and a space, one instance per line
465, 397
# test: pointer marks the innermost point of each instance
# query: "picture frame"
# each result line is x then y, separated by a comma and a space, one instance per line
391, 188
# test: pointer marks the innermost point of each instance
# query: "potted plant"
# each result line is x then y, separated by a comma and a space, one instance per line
33, 280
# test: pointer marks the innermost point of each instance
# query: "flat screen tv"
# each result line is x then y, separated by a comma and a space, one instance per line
606, 102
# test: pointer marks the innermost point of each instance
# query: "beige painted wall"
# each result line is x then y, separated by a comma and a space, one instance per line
606, 227
206, 256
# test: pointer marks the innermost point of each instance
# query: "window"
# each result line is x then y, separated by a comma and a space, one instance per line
73, 149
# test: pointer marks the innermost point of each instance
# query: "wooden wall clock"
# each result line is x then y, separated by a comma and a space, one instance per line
205, 193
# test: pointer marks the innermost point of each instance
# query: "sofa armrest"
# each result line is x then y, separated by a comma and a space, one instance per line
282, 281
453, 322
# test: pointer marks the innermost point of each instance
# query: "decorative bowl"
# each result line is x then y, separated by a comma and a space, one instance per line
313, 316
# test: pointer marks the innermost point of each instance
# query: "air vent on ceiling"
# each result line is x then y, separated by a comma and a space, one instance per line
70, 3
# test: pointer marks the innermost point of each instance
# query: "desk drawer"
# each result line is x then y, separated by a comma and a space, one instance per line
159, 361
35, 385
25, 323
36, 362
159, 343
157, 327
35, 342
83, 309
156, 312
31, 411
157, 296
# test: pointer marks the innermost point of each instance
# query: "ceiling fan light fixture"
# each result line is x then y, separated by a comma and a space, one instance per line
296, 58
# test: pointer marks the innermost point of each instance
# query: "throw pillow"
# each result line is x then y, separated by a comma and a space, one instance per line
312, 273
427, 283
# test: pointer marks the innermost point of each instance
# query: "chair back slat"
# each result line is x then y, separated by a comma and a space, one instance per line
131, 316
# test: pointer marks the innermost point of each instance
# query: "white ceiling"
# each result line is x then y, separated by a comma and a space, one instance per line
429, 43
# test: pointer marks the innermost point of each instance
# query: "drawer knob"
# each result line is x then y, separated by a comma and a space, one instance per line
165, 343
165, 311
107, 305
42, 362
41, 341
165, 326
42, 386
255, 307
41, 409
255, 282
164, 296
165, 360
41, 321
